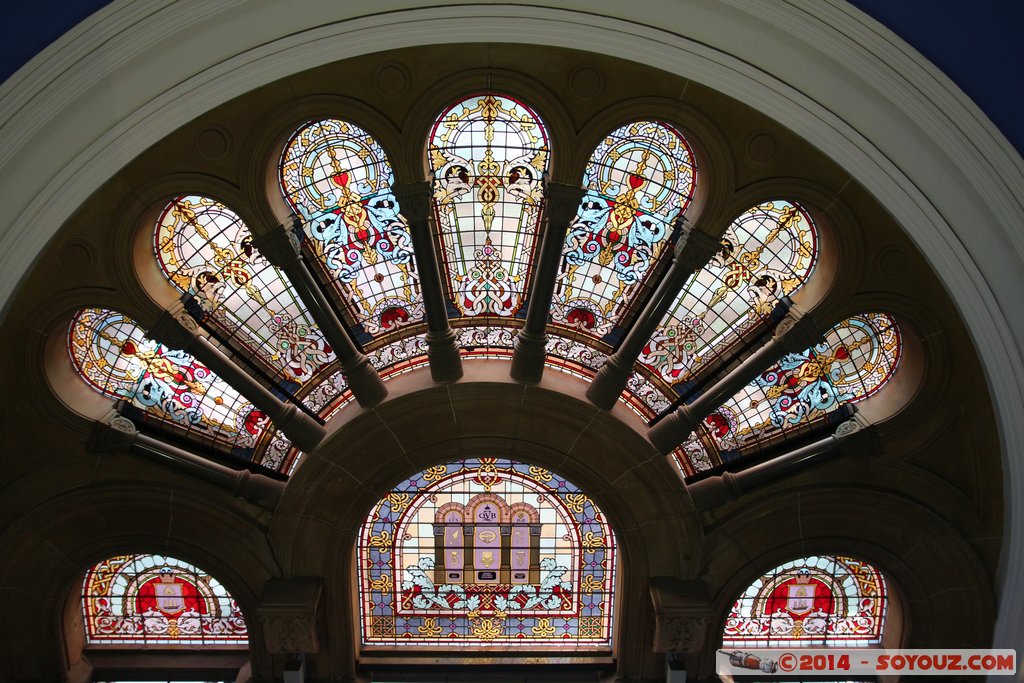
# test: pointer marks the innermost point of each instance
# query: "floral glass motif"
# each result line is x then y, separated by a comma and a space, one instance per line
157, 600
638, 182
487, 552
206, 250
811, 602
338, 179
766, 254
856, 358
113, 355
489, 154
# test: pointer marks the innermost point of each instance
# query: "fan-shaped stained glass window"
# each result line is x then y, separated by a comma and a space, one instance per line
815, 601
160, 385
337, 177
857, 357
157, 600
489, 154
487, 552
767, 253
206, 250
639, 180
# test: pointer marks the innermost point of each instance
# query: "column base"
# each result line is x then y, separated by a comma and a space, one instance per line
366, 385
302, 430
673, 430
528, 357
611, 379
443, 352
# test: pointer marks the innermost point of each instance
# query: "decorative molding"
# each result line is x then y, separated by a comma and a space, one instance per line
561, 202
414, 201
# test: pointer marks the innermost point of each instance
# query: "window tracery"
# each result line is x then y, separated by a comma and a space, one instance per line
338, 179
639, 181
487, 552
158, 385
827, 600
206, 250
489, 155
158, 600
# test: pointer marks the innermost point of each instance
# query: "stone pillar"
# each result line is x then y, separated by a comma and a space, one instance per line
176, 329
853, 437
281, 247
288, 613
682, 617
117, 434
560, 205
442, 348
795, 333
692, 253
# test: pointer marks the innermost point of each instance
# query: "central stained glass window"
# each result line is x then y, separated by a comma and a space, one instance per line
489, 155
487, 552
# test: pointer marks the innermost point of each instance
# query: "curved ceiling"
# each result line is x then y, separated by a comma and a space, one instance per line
979, 51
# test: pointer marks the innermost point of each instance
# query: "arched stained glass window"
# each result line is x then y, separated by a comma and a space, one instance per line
157, 600
489, 154
767, 254
170, 388
856, 358
337, 177
206, 250
814, 601
487, 552
639, 180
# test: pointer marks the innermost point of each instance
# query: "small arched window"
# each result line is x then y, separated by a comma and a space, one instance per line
825, 600
153, 600
336, 176
487, 552
165, 388
767, 254
206, 251
489, 154
638, 182
855, 360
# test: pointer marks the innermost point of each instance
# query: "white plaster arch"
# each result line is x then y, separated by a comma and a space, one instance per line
135, 71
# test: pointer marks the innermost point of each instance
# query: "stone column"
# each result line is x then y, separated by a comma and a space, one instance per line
795, 333
853, 437
693, 251
281, 247
442, 348
117, 434
560, 205
176, 329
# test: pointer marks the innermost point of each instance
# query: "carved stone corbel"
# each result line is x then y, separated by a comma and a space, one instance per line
682, 615
288, 613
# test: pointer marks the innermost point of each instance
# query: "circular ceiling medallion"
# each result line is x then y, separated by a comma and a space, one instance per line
213, 143
78, 255
761, 148
392, 79
586, 81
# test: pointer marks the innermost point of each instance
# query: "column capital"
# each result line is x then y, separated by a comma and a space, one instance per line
414, 200
281, 245
682, 613
695, 249
562, 201
857, 436
175, 329
288, 613
797, 332
113, 434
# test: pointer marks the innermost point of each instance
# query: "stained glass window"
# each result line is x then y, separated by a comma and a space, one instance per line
487, 552
157, 600
206, 250
856, 358
811, 602
766, 254
113, 355
489, 154
639, 180
337, 177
